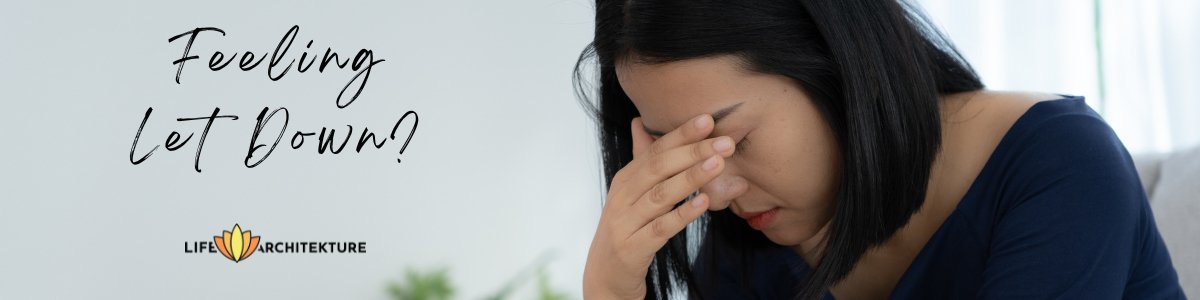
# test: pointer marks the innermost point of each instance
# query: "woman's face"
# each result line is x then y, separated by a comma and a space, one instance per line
787, 162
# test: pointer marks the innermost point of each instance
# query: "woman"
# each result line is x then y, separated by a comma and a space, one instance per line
843, 149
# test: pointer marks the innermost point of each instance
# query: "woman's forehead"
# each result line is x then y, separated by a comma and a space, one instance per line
668, 94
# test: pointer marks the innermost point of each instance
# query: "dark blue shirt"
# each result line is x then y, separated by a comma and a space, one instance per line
1056, 212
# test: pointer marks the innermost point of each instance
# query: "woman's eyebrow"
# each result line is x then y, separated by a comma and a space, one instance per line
717, 116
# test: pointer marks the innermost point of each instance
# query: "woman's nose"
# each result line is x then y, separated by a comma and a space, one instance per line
723, 189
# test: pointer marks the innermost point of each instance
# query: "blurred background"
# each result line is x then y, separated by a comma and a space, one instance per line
1135, 61
498, 194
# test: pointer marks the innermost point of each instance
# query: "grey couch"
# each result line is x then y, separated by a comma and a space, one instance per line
1173, 183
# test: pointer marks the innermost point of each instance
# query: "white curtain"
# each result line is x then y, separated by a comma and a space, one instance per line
1136, 63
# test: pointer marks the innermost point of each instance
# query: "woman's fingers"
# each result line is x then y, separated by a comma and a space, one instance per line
663, 196
645, 144
649, 171
640, 214
689, 132
641, 138
655, 234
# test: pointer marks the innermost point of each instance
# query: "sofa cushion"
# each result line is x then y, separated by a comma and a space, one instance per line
1176, 203
1148, 166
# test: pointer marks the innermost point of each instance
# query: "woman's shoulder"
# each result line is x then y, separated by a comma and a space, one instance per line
989, 114
1067, 198
990, 137
1024, 127
1054, 155
1065, 133
1051, 141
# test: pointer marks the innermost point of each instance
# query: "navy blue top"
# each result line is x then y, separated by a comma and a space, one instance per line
1056, 212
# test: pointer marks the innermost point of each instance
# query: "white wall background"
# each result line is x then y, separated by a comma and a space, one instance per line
1148, 51
502, 168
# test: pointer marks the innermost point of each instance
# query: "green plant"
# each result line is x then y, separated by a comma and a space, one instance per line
436, 285
547, 292
432, 285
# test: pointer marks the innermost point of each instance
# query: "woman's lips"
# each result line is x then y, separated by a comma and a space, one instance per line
761, 220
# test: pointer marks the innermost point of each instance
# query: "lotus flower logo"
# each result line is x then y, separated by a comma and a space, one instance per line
236, 245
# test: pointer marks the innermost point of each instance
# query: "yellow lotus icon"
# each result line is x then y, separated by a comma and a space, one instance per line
236, 245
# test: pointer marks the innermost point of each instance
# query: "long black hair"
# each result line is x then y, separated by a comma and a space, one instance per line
873, 68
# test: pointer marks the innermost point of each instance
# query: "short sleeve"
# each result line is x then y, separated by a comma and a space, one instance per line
1076, 223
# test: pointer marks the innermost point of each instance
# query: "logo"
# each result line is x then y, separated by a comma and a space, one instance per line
236, 245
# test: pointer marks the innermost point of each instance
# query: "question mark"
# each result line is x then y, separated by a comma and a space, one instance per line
410, 132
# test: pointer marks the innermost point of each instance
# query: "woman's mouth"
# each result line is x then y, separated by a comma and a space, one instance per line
761, 220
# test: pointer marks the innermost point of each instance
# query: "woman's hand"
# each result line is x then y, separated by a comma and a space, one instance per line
639, 215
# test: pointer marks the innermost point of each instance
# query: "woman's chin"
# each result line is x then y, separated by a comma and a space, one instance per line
783, 238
